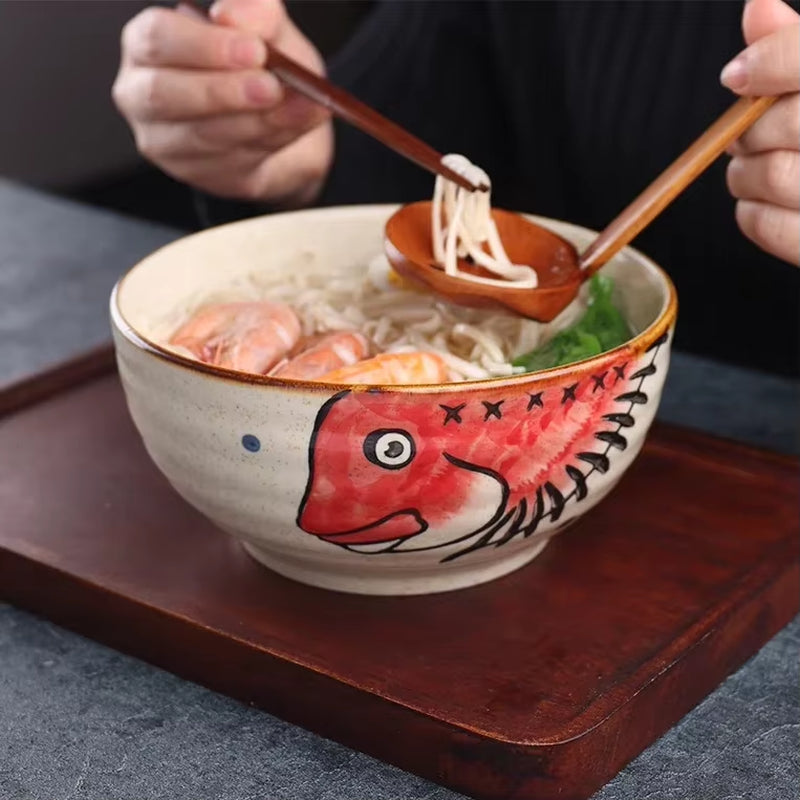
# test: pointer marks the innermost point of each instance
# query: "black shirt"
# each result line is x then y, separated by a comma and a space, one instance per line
573, 108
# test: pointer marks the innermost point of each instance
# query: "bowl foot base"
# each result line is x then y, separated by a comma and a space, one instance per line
394, 580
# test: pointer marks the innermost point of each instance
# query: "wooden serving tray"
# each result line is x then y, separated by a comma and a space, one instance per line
540, 685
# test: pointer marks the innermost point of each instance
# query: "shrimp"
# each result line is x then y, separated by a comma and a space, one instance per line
330, 352
392, 369
248, 336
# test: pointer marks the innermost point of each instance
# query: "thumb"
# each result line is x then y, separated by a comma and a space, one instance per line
266, 18
770, 65
763, 17
269, 20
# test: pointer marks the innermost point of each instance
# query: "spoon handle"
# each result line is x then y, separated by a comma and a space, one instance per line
670, 183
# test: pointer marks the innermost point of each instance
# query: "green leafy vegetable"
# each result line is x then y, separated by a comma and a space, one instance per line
601, 328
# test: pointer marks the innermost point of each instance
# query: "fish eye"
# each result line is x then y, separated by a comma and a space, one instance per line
390, 449
251, 443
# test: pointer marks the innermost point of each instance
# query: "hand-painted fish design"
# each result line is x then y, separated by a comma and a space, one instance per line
411, 472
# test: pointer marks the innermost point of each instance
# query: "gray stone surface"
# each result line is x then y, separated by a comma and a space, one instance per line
736, 403
58, 264
81, 722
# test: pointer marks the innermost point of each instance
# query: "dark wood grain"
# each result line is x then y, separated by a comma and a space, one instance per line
539, 685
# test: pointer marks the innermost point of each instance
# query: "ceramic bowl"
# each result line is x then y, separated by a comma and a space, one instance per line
405, 490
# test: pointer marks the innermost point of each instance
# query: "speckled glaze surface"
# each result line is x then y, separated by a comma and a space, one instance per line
404, 490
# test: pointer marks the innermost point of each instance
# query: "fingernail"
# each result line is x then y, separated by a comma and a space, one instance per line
189, 11
261, 89
220, 14
248, 52
734, 74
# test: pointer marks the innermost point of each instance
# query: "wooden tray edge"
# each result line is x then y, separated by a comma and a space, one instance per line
56, 378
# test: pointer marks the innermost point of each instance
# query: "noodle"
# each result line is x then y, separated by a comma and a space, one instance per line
462, 224
474, 343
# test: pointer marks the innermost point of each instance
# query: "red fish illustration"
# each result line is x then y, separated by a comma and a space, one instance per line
408, 472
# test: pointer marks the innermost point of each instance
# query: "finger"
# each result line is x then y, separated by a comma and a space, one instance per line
213, 136
230, 175
189, 9
769, 66
292, 118
266, 18
158, 37
772, 177
778, 129
171, 94
264, 133
762, 17
774, 229
295, 174
269, 20
201, 138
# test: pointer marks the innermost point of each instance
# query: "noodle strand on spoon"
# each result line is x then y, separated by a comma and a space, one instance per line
462, 224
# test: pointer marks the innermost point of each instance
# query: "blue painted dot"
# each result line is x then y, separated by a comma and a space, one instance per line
251, 443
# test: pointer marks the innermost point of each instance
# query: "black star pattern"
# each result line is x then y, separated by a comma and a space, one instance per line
599, 381
569, 392
452, 413
620, 372
492, 409
536, 400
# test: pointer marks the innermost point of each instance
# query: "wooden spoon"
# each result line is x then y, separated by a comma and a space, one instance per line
560, 269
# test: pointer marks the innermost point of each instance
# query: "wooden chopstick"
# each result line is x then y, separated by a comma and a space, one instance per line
348, 108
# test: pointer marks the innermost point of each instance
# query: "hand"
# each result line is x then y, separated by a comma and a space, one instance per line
764, 173
202, 108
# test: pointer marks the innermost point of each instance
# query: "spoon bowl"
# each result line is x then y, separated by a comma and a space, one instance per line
409, 248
